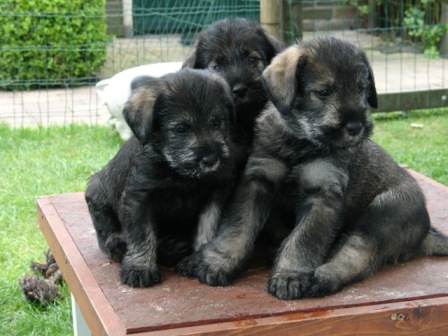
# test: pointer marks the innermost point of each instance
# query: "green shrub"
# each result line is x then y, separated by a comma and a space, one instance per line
429, 35
46, 43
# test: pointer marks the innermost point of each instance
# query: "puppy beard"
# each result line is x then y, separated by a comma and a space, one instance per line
252, 99
348, 134
248, 108
195, 163
331, 133
341, 138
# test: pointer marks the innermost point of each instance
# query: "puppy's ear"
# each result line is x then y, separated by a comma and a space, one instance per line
372, 99
280, 78
139, 109
276, 44
191, 61
140, 81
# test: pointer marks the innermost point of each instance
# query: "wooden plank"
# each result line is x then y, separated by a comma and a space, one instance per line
97, 311
417, 289
412, 100
424, 317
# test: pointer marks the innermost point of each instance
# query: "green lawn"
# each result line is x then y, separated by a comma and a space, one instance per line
424, 148
39, 162
60, 159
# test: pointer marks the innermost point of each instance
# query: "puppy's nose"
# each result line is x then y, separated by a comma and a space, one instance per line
209, 159
239, 90
353, 128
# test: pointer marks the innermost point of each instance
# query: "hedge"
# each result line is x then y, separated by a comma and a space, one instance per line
47, 43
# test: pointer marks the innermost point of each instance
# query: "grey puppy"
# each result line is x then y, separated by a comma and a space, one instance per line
161, 196
238, 50
349, 207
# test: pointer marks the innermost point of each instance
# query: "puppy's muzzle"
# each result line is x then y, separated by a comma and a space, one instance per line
208, 160
208, 156
239, 90
353, 128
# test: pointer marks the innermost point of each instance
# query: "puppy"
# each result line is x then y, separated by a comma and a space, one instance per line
238, 50
349, 207
160, 197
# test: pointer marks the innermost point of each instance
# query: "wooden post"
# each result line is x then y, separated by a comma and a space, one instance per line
269, 16
444, 20
128, 21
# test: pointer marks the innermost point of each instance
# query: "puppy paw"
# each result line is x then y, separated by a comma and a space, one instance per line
115, 247
209, 273
214, 277
289, 285
140, 277
187, 266
324, 283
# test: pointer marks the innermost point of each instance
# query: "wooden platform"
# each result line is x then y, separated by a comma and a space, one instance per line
405, 299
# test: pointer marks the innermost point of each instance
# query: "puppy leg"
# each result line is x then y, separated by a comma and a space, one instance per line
435, 244
320, 205
302, 252
107, 228
391, 229
353, 261
138, 267
209, 219
218, 262
105, 222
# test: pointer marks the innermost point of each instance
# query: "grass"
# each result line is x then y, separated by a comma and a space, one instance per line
59, 159
425, 148
39, 162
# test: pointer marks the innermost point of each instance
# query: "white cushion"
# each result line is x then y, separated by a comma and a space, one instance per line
116, 90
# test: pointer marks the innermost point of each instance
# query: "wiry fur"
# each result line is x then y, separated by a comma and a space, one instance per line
349, 207
238, 50
161, 196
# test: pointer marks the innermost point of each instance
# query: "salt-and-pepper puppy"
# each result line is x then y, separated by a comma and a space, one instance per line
239, 50
349, 206
168, 184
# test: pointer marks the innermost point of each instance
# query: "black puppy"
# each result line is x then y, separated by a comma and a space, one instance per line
349, 207
168, 184
238, 50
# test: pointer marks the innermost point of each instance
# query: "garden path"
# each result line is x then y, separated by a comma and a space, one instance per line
399, 72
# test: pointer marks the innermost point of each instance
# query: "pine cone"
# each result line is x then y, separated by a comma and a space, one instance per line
48, 269
39, 290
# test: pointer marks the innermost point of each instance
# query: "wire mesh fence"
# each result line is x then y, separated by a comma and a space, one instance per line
52, 54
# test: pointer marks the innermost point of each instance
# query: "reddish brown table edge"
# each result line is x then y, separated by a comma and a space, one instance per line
417, 317
96, 310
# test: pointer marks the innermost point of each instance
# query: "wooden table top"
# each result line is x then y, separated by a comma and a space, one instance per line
409, 298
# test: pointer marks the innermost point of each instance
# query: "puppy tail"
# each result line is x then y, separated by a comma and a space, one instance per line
435, 244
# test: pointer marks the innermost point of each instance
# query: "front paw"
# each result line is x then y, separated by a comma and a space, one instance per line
324, 282
136, 277
187, 266
115, 247
289, 285
210, 273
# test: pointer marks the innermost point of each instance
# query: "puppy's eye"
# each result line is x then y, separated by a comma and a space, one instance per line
180, 129
215, 123
323, 93
252, 60
214, 66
